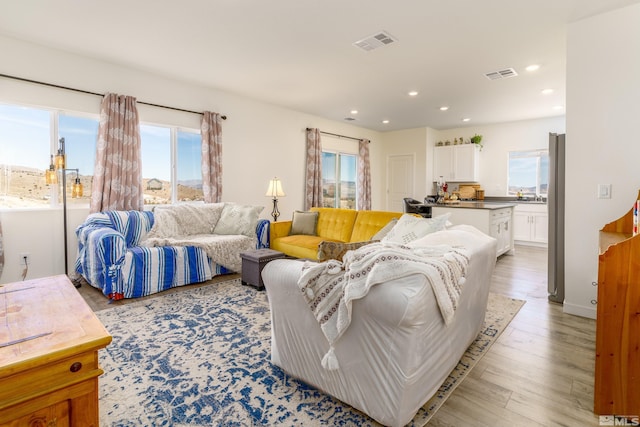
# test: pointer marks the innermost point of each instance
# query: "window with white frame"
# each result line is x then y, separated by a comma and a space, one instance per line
171, 158
528, 173
339, 180
28, 137
165, 180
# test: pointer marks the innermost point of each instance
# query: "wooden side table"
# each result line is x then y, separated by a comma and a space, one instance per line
49, 342
253, 262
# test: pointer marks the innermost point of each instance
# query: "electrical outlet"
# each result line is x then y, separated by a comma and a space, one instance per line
25, 258
604, 191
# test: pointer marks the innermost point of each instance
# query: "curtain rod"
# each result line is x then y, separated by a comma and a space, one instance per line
339, 136
99, 94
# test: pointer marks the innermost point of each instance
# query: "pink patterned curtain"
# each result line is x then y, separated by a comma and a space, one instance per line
211, 131
364, 176
117, 178
313, 179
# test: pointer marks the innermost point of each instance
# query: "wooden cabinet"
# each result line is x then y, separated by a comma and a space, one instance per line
494, 222
531, 224
49, 342
457, 163
617, 367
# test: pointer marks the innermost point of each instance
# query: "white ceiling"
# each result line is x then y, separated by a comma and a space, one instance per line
299, 54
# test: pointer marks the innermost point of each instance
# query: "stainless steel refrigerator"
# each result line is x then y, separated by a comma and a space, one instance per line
555, 206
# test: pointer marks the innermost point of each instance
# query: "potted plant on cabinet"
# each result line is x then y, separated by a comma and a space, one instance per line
477, 139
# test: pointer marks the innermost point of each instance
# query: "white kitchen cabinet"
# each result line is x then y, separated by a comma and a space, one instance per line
531, 224
496, 223
457, 163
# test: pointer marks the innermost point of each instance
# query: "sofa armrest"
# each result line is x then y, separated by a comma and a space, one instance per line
263, 231
280, 229
101, 252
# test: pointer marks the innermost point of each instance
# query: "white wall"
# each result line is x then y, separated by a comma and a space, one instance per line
259, 140
603, 89
498, 140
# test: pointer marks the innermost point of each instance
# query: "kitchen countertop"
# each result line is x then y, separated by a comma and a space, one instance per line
474, 205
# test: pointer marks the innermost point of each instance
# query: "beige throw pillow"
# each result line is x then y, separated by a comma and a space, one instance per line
304, 223
410, 228
238, 219
385, 230
336, 250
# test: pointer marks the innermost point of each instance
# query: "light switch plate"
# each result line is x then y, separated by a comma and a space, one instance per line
604, 191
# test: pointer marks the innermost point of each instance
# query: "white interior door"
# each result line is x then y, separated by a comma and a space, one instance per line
399, 180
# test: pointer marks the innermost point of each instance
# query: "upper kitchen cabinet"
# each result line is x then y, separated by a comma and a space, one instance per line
457, 163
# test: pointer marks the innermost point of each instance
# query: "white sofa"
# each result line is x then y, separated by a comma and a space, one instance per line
397, 350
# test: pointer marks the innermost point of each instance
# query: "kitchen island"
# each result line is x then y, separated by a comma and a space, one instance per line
492, 218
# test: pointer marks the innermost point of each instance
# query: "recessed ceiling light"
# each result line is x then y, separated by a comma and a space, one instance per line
466, 119
532, 67
354, 111
413, 93
547, 91
444, 108
385, 121
558, 107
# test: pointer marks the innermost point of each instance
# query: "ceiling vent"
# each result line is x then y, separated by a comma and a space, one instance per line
349, 119
375, 41
501, 74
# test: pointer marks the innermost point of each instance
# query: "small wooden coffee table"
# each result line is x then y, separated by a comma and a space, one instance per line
49, 342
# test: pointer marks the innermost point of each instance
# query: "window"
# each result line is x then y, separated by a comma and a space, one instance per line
338, 180
160, 186
80, 136
528, 172
189, 166
156, 164
171, 158
25, 146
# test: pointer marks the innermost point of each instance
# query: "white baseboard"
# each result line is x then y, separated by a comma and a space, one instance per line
579, 310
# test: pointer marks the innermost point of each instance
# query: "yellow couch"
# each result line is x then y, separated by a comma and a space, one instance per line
336, 225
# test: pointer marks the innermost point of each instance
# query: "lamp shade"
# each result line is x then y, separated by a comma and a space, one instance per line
275, 189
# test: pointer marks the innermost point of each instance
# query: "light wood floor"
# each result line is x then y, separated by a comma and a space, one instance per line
538, 373
540, 370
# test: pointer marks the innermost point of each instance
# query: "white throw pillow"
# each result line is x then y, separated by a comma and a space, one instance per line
238, 219
410, 228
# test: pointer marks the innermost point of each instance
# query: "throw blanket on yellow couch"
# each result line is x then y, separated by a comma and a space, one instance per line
330, 287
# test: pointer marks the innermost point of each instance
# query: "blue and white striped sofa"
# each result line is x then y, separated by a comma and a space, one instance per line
111, 258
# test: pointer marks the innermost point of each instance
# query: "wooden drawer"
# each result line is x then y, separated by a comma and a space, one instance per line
40, 380
54, 416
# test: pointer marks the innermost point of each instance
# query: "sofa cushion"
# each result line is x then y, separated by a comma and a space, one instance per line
369, 223
238, 219
185, 219
304, 223
298, 246
335, 224
336, 250
410, 228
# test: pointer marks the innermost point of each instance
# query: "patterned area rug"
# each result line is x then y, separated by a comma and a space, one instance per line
201, 357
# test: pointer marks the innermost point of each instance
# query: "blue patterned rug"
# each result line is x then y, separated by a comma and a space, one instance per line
201, 357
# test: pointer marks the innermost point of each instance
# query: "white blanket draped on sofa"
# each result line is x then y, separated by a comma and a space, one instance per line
330, 287
185, 225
